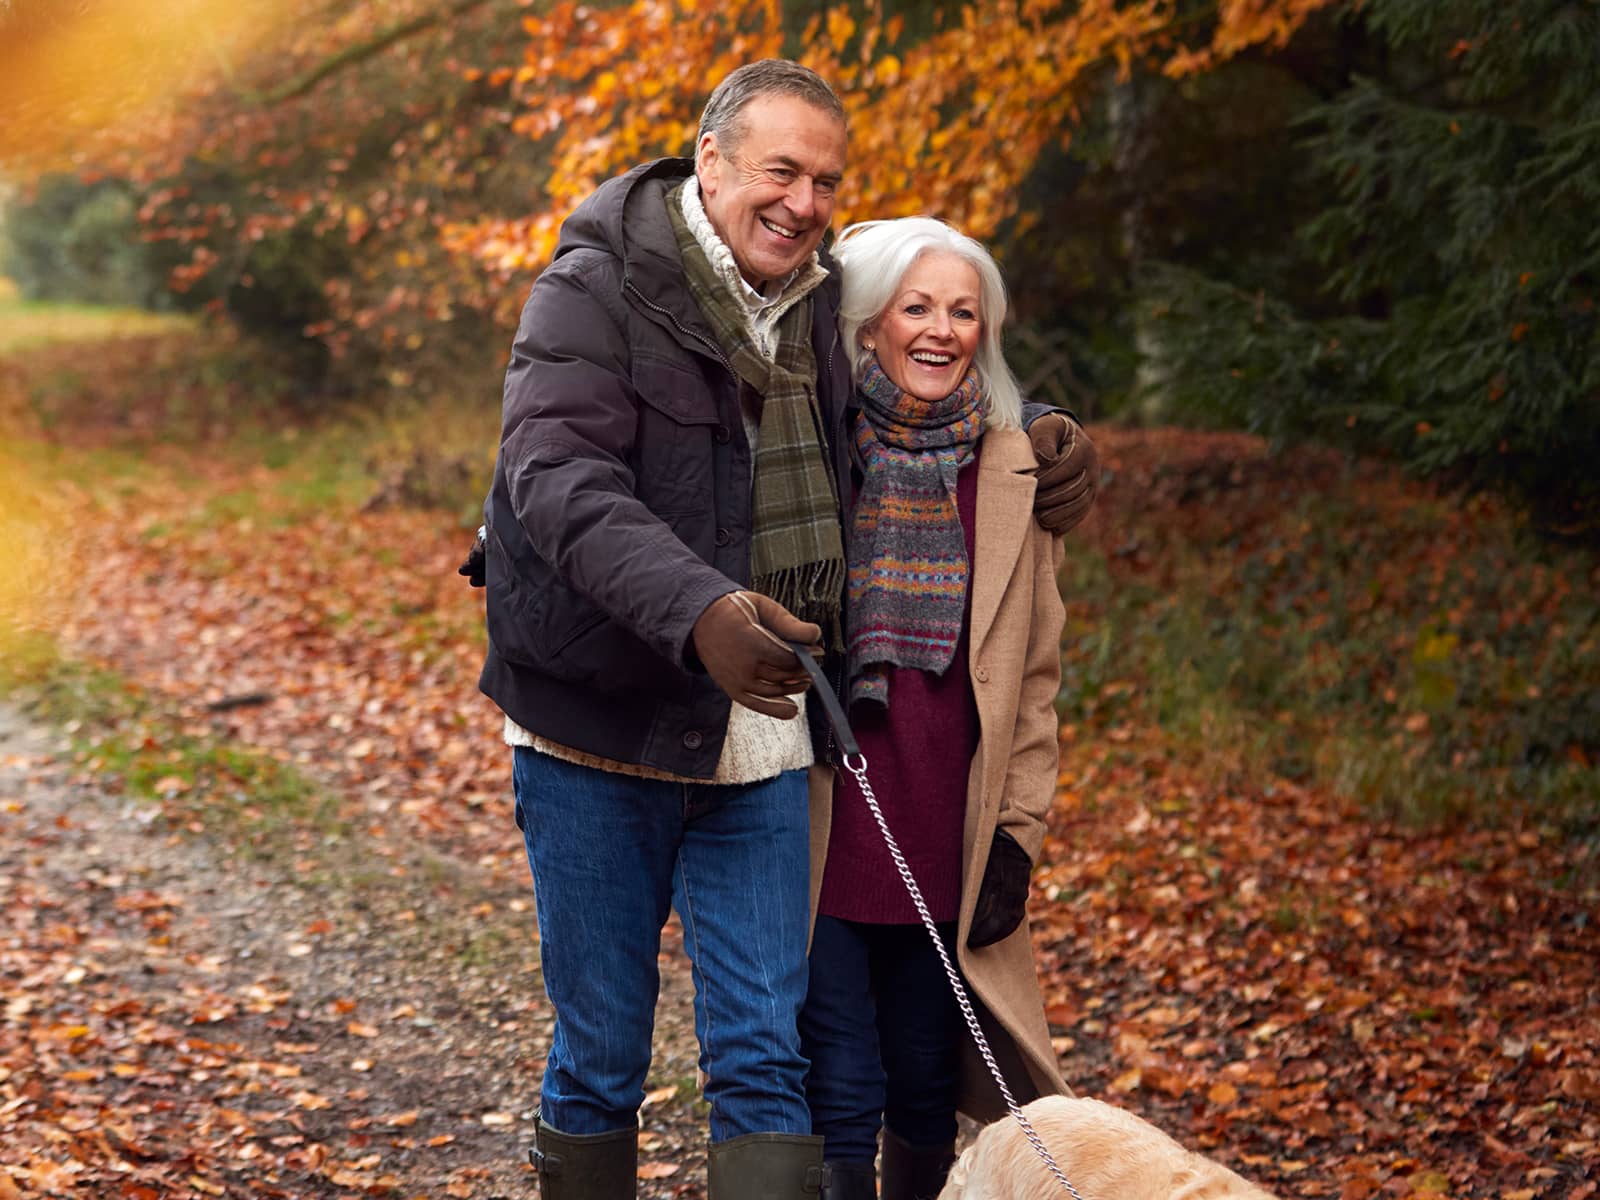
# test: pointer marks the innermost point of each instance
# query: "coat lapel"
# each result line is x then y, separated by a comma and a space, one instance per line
1004, 511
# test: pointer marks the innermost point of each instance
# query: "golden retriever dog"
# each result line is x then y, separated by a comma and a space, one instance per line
1107, 1153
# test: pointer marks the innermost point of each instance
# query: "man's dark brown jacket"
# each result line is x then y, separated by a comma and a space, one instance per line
621, 504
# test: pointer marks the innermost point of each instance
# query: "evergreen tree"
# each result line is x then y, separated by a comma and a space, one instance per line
1458, 239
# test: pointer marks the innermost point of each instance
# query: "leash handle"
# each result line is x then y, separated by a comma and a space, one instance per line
823, 690
819, 682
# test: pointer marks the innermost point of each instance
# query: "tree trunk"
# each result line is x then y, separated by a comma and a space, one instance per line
1130, 108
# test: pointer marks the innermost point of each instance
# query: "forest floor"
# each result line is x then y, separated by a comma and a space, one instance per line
268, 930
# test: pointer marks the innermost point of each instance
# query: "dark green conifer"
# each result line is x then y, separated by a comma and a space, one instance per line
1458, 236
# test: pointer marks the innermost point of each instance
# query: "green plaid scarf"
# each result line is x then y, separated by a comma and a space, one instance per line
796, 549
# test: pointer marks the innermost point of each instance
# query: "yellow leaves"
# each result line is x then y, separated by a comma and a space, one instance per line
950, 124
1435, 646
841, 26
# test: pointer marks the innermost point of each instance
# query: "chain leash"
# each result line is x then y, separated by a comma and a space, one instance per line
858, 768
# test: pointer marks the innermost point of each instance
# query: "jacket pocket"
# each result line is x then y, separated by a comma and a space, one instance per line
515, 612
679, 436
536, 621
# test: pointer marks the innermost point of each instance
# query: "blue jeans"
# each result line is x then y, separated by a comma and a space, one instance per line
609, 854
883, 1033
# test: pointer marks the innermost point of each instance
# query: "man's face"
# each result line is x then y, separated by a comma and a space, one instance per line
770, 197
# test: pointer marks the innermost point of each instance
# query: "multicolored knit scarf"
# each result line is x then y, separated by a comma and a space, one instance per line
907, 586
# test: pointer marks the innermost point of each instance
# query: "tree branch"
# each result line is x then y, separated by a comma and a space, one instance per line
304, 82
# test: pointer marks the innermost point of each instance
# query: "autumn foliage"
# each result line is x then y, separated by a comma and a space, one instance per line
949, 123
367, 177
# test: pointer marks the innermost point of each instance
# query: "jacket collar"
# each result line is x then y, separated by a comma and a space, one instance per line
1004, 512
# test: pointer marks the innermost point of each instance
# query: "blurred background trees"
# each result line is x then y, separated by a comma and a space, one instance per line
1433, 295
1368, 225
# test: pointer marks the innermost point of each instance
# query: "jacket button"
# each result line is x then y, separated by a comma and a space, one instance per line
692, 739
722, 434
982, 674
723, 537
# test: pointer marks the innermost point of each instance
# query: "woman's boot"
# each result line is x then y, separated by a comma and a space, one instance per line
766, 1166
851, 1181
914, 1172
595, 1166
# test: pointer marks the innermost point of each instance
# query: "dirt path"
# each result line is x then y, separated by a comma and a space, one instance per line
191, 1018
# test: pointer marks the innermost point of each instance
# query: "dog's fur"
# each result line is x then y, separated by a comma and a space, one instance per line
1107, 1153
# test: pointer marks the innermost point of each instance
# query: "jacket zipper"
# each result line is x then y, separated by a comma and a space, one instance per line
688, 333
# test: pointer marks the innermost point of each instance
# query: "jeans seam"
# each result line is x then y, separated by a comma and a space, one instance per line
692, 931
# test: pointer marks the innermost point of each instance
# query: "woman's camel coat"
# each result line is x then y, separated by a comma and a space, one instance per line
1015, 648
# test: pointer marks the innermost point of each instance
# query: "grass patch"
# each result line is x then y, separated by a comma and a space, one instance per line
179, 771
30, 324
1325, 622
203, 407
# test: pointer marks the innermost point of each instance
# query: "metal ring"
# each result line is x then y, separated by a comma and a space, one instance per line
845, 762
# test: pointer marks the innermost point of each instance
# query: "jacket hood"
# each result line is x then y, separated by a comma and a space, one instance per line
626, 217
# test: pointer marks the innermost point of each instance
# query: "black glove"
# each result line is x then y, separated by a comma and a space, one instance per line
1003, 895
1068, 473
477, 559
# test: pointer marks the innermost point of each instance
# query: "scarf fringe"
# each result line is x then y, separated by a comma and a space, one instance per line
811, 592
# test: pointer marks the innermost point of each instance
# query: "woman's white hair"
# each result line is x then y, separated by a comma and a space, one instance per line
873, 257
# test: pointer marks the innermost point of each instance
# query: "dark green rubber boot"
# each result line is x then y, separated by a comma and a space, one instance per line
767, 1166
851, 1181
914, 1172
595, 1166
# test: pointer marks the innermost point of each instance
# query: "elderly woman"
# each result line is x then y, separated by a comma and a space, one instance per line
953, 627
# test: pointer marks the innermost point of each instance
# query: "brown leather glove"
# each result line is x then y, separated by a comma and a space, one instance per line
737, 639
1068, 473
1003, 894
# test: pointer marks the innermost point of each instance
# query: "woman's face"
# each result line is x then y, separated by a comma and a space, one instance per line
926, 337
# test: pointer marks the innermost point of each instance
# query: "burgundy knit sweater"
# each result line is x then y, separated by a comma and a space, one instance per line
919, 749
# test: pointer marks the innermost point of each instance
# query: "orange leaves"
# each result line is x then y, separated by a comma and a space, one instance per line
841, 26
951, 124
1243, 25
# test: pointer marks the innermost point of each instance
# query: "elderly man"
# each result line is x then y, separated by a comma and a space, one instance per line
667, 490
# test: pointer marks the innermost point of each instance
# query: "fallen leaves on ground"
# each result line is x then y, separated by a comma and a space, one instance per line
1334, 1005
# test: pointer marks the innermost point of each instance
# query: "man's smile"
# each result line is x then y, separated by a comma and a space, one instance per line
791, 234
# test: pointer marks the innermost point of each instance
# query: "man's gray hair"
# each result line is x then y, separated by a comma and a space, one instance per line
769, 77
873, 258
